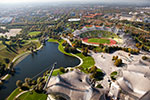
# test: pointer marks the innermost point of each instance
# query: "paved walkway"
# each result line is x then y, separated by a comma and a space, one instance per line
20, 94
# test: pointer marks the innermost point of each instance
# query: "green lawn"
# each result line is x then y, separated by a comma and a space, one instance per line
33, 96
13, 52
34, 33
60, 47
13, 94
88, 61
56, 71
98, 40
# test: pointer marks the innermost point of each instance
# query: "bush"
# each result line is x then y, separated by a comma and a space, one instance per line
113, 75
92, 69
62, 69
25, 86
28, 81
118, 62
71, 69
7, 60
97, 75
115, 58
144, 57
19, 83
99, 86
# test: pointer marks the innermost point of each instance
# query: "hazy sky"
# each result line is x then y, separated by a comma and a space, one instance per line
109, 1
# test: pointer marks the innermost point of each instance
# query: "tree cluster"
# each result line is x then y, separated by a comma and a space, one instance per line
117, 61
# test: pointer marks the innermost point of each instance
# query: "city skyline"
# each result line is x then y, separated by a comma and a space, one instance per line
101, 1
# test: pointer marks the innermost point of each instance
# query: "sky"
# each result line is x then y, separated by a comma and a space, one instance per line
105, 1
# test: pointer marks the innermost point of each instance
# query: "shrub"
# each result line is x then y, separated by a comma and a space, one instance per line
19, 83
118, 62
99, 86
115, 58
144, 57
113, 75
97, 75
71, 69
62, 69
28, 81
25, 86
92, 69
7, 60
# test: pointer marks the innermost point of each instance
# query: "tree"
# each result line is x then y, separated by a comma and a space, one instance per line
28, 81
144, 57
62, 69
19, 83
85, 51
115, 58
6, 60
93, 69
118, 62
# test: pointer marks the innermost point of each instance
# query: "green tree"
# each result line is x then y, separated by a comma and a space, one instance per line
6, 60
62, 69
118, 62
19, 83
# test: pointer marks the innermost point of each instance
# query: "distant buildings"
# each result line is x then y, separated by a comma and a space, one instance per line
74, 19
5, 20
147, 20
93, 27
92, 15
127, 17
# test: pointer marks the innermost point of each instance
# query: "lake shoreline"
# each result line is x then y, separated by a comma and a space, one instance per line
17, 60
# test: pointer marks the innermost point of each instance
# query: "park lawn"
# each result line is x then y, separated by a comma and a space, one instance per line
34, 33
13, 94
56, 71
99, 40
60, 47
33, 96
7, 53
88, 61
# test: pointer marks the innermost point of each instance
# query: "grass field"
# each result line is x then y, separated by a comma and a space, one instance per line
99, 40
34, 33
13, 52
33, 96
88, 61
13, 94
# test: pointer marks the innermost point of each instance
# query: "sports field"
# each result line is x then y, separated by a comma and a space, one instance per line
104, 41
99, 40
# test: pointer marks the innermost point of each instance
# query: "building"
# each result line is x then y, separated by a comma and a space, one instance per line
135, 80
74, 85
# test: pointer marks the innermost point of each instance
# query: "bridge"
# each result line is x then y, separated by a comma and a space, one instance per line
50, 75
